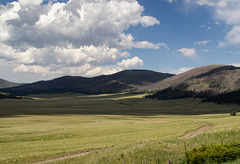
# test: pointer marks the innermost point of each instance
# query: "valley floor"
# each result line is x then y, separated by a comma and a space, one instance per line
110, 128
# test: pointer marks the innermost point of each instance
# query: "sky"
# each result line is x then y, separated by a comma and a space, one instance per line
45, 39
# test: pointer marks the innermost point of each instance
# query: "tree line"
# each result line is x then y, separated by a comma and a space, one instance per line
207, 96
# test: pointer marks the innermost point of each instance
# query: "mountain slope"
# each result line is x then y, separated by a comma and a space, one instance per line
7, 84
214, 78
122, 81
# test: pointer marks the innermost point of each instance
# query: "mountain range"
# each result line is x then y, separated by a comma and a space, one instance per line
214, 79
128, 80
7, 84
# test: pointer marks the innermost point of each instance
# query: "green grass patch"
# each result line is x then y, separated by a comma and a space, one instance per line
213, 154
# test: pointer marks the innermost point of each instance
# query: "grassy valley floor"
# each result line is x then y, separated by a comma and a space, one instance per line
110, 128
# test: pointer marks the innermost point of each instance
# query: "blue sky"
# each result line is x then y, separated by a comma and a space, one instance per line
186, 26
41, 40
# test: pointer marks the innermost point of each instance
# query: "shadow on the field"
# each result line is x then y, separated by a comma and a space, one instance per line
86, 105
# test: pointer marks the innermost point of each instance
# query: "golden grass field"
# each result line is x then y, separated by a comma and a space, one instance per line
117, 128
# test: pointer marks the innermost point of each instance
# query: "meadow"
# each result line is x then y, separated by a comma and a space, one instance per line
117, 128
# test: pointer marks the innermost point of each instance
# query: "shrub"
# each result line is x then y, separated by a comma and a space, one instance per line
233, 113
207, 154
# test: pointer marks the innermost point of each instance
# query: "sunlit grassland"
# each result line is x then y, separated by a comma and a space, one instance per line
167, 147
132, 129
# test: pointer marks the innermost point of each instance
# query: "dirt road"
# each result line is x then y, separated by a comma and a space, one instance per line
197, 131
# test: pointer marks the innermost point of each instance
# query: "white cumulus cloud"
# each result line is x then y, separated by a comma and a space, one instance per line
128, 63
187, 51
73, 37
27, 3
32, 69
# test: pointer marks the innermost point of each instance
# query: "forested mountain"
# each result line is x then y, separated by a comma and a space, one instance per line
213, 79
128, 80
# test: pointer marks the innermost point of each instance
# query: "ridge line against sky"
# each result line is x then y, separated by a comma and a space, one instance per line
44, 39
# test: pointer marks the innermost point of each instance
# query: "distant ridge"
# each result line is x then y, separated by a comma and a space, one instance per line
7, 84
213, 78
127, 80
